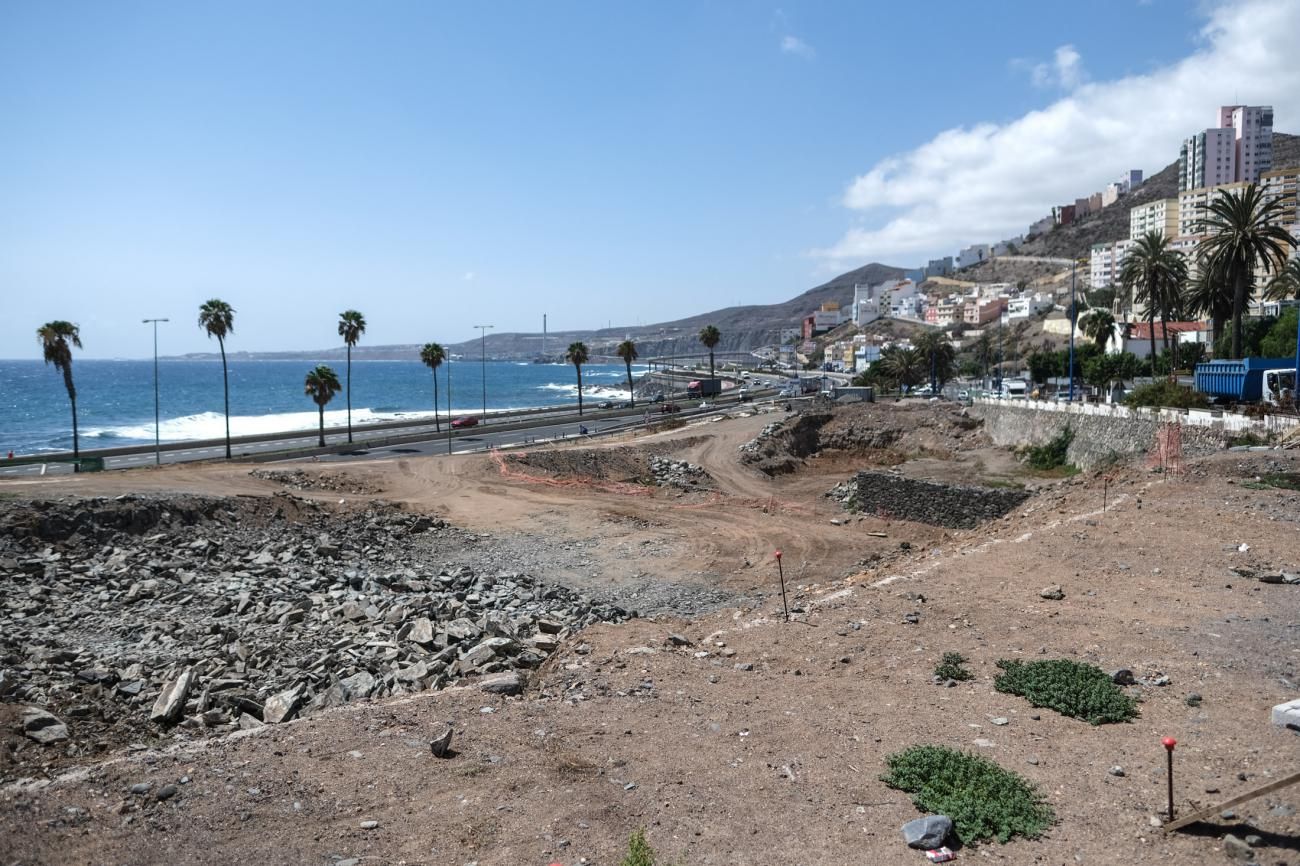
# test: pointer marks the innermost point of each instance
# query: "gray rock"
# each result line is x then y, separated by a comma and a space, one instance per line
1237, 849
928, 832
441, 744
1116, 770
282, 707
43, 727
510, 683
141, 788
171, 702
999, 721
166, 792
1193, 700
421, 631
1052, 593
360, 685
369, 825
1122, 677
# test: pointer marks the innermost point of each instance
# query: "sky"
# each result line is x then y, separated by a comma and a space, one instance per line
438, 166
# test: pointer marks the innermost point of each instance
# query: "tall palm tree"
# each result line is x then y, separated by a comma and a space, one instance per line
984, 349
710, 337
1286, 284
433, 354
57, 339
1205, 296
1151, 273
351, 326
627, 351
903, 367
218, 319
1245, 230
577, 355
321, 385
939, 355
1099, 326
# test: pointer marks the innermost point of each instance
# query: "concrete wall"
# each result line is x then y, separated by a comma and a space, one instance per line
1104, 432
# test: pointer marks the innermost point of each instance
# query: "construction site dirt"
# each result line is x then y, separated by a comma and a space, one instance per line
660, 687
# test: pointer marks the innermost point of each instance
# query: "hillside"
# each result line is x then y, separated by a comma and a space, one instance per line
744, 327
1111, 224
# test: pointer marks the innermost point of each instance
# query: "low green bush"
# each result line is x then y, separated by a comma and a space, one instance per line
952, 667
639, 852
1167, 394
983, 800
1052, 455
1075, 689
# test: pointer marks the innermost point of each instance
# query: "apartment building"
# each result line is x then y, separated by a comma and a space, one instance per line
1158, 216
1029, 305
1105, 262
973, 255
1208, 158
1283, 183
978, 313
1252, 128
1193, 202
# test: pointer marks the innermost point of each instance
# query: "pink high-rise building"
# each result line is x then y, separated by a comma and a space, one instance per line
1208, 158
1252, 127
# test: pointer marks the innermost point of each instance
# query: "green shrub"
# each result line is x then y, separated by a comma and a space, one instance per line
1051, 455
1074, 689
951, 668
639, 852
1166, 394
983, 800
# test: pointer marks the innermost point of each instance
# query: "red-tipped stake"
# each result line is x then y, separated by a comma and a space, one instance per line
781, 572
1169, 743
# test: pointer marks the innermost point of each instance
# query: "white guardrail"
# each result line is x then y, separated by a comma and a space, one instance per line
1229, 421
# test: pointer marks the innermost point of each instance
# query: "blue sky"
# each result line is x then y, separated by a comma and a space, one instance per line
441, 165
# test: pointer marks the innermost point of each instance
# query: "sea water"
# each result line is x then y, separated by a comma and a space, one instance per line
115, 399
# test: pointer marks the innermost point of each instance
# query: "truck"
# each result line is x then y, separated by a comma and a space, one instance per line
704, 387
1248, 380
1014, 389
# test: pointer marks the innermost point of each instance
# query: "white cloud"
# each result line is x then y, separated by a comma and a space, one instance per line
989, 181
469, 277
796, 46
1065, 70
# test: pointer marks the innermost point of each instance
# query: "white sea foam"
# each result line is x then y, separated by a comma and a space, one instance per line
212, 425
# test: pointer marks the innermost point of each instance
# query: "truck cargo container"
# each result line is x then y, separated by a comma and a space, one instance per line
704, 387
1248, 380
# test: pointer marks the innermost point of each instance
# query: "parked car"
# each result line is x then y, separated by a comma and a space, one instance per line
606, 404
464, 421
659, 398
669, 408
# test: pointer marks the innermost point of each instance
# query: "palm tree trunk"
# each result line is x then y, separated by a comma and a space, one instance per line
631, 394
72, 398
349, 399
436, 426
1238, 308
320, 408
1151, 323
578, 367
711, 375
225, 383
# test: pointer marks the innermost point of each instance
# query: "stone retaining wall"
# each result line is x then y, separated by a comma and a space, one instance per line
950, 505
1098, 439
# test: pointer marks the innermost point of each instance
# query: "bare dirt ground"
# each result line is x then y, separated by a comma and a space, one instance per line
723, 764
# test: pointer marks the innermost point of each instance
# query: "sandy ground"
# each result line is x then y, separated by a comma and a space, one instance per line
781, 763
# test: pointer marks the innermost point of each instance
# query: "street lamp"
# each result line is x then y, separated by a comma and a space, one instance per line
482, 346
1074, 317
449, 418
157, 440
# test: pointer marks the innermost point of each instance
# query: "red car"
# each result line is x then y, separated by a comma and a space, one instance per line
465, 421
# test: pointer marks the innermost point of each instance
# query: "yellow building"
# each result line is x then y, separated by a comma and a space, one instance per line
1156, 216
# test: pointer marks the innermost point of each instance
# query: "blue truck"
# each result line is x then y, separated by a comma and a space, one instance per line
1249, 380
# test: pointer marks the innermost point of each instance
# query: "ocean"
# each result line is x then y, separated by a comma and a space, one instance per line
115, 399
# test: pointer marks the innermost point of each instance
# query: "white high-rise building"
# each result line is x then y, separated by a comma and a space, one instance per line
1252, 128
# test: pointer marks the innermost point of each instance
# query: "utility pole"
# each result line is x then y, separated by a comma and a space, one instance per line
450, 431
1074, 317
157, 439
482, 347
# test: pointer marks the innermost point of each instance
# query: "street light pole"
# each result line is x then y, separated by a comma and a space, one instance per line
157, 439
449, 418
482, 347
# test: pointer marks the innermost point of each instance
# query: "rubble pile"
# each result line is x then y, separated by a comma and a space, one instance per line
213, 614
680, 474
332, 482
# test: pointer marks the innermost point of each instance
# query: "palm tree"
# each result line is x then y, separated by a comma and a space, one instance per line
321, 385
939, 356
903, 367
1153, 272
433, 354
984, 349
1245, 230
218, 319
710, 337
627, 351
1099, 326
351, 326
1286, 284
577, 356
57, 339
1205, 296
